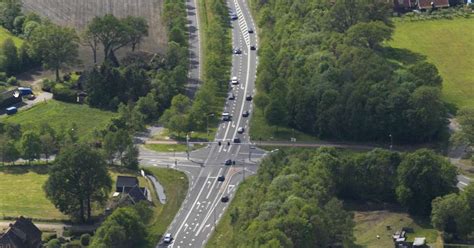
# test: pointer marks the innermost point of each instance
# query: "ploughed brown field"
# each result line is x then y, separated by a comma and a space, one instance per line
77, 13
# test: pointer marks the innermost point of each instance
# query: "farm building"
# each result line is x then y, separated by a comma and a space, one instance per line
419, 4
9, 98
130, 189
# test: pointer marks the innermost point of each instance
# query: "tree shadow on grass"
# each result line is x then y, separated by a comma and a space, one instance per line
23, 169
402, 55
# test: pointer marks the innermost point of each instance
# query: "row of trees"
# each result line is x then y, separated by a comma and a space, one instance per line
185, 115
292, 200
323, 69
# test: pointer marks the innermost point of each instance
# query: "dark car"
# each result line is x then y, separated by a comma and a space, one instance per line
221, 178
249, 98
231, 96
225, 199
237, 51
246, 113
228, 162
250, 31
236, 140
253, 47
233, 16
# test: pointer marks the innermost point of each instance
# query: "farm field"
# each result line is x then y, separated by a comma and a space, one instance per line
450, 46
78, 13
5, 34
60, 115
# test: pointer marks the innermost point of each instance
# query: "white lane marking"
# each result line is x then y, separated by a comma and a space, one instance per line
215, 180
463, 183
191, 209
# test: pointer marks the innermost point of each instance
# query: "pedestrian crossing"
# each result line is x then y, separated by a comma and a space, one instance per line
242, 23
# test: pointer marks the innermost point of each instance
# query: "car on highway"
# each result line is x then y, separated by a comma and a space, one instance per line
236, 51
240, 130
250, 31
246, 113
225, 199
233, 16
234, 80
249, 98
253, 47
221, 178
168, 238
231, 96
228, 162
226, 116
236, 140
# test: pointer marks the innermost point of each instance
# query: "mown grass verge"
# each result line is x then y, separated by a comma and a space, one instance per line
175, 184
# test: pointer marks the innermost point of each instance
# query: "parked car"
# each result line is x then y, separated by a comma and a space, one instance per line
221, 178
233, 16
246, 113
253, 47
250, 31
240, 130
225, 199
168, 238
249, 98
11, 110
231, 96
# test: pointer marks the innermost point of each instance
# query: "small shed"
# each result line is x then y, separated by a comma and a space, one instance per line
9, 98
25, 91
125, 183
419, 242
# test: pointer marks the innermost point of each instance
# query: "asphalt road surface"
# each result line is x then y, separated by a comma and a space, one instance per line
203, 208
194, 73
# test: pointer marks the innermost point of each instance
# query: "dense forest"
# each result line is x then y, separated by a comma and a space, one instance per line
324, 70
296, 198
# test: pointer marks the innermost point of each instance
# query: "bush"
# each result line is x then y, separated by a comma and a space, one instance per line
64, 94
54, 243
3, 76
85, 239
49, 236
48, 85
12, 81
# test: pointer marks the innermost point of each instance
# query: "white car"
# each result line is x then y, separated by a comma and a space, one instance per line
240, 130
168, 238
234, 80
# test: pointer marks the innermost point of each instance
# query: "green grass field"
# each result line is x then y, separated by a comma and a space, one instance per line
449, 44
22, 192
5, 34
175, 184
369, 224
61, 115
172, 147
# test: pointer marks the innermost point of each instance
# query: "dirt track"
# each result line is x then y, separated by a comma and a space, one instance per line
77, 13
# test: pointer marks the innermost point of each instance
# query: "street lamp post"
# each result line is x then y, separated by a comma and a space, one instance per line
391, 141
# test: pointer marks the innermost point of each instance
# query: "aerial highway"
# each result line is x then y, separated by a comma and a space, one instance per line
213, 182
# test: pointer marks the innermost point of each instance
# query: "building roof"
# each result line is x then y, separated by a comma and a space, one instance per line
419, 241
137, 194
426, 4
22, 234
125, 181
